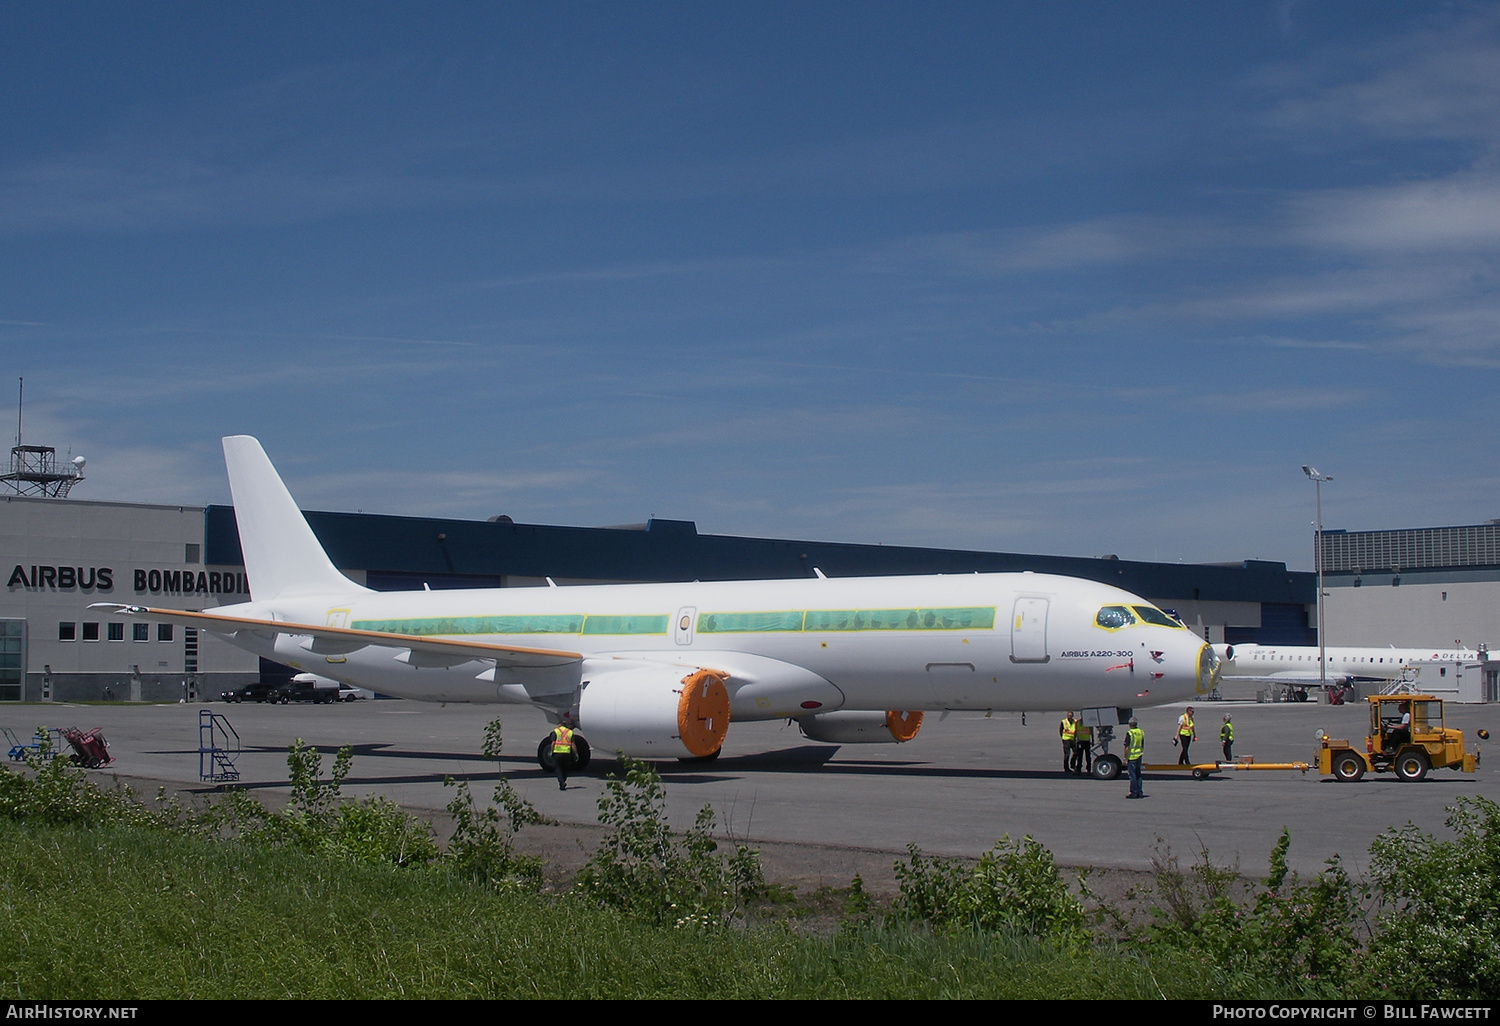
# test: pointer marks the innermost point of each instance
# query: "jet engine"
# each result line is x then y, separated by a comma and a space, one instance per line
656, 713
852, 728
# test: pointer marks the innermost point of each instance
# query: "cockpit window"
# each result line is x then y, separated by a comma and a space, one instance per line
1112, 618
1152, 615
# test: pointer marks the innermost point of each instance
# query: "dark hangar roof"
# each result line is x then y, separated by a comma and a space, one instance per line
673, 550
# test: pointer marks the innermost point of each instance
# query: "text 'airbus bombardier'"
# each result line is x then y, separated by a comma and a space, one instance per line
661, 670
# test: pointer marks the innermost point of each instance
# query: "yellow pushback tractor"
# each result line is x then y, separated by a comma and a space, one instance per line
1407, 737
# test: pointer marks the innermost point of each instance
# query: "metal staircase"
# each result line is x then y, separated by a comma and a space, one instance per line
218, 747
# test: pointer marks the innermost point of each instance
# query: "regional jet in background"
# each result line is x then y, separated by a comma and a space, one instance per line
1296, 666
661, 670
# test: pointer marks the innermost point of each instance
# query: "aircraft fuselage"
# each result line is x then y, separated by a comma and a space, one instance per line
789, 648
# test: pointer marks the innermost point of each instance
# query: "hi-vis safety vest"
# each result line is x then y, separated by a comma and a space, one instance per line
1135, 743
562, 741
1226, 732
1185, 726
1068, 728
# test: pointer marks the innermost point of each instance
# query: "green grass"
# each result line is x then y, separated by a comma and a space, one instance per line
120, 912
104, 895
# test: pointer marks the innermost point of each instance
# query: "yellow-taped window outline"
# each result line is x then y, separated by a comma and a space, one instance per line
1114, 618
1157, 618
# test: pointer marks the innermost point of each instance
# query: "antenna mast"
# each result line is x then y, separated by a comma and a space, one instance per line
33, 468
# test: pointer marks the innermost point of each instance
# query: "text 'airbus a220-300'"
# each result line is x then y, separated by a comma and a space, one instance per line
662, 670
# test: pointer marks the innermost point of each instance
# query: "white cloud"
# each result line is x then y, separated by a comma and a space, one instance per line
1441, 82
1460, 213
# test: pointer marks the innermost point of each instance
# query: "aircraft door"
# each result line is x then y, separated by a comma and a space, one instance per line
1028, 631
683, 623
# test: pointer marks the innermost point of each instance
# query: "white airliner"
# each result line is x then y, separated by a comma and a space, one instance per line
660, 670
1297, 665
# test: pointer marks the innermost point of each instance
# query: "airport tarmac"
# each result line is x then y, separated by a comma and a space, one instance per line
822, 812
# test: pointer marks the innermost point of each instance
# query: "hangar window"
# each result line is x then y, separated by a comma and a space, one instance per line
163, 632
1112, 618
117, 632
90, 631
190, 552
12, 648
140, 632
67, 631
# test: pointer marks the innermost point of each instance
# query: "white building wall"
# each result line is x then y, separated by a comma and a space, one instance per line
59, 555
1417, 612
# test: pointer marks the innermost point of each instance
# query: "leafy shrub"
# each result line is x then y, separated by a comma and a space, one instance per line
1014, 888
1291, 936
319, 820
1439, 929
492, 739
57, 792
483, 843
1189, 893
373, 829
643, 869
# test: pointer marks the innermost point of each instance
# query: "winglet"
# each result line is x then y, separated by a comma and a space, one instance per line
282, 555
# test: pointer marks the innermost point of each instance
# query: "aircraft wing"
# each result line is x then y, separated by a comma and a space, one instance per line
322, 640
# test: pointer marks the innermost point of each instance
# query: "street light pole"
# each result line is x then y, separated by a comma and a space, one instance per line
1317, 479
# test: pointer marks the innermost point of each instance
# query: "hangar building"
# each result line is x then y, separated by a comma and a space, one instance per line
1416, 586
62, 554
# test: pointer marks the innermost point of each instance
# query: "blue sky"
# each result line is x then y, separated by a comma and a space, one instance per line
1074, 278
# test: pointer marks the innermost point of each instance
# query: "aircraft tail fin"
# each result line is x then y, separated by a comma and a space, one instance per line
282, 555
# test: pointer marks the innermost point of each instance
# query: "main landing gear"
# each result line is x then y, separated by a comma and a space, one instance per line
580, 759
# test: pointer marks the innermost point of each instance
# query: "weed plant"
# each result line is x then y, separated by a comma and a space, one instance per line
483, 842
1439, 927
1292, 937
1015, 888
643, 869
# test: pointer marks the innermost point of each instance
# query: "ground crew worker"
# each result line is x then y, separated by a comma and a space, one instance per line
1068, 730
1400, 733
1226, 736
1186, 735
564, 752
1135, 750
1083, 758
